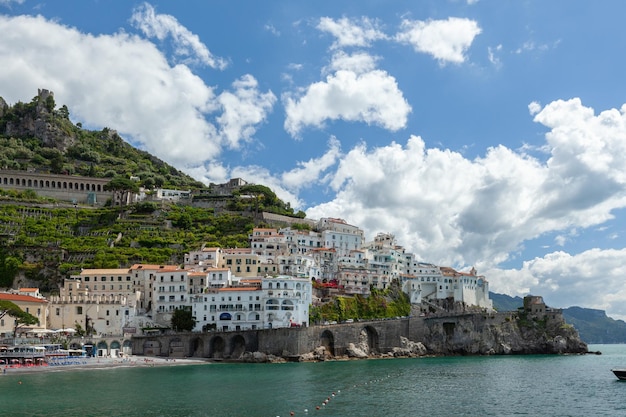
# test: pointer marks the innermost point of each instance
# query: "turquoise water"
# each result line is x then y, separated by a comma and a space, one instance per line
459, 386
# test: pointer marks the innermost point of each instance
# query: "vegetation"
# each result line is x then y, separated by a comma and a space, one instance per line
77, 151
388, 303
67, 239
21, 317
182, 320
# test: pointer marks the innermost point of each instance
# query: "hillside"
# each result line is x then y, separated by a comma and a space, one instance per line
43, 240
594, 326
37, 136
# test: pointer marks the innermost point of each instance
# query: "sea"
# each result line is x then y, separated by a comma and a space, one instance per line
533, 385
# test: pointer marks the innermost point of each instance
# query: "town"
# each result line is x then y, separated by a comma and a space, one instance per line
268, 285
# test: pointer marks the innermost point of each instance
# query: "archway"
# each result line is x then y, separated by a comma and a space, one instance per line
103, 348
217, 347
238, 347
196, 347
328, 341
127, 347
115, 348
371, 337
151, 347
176, 347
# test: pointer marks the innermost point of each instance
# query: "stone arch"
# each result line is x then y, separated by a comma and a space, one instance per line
103, 348
237, 347
151, 347
196, 347
217, 347
127, 347
371, 338
115, 348
327, 340
176, 347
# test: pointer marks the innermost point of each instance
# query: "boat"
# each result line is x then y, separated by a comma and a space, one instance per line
620, 373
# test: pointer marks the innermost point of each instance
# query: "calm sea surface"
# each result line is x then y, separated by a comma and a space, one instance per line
465, 386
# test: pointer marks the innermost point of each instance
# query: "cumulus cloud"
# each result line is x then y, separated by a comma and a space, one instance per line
185, 43
243, 110
309, 172
353, 92
446, 40
592, 279
351, 32
141, 96
451, 210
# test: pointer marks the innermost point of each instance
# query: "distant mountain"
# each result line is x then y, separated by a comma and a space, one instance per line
594, 326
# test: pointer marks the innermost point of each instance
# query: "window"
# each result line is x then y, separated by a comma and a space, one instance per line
58, 311
79, 310
107, 312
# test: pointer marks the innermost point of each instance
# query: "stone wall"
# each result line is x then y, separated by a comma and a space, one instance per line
61, 187
472, 333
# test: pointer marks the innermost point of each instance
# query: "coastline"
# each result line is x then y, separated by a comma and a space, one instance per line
84, 364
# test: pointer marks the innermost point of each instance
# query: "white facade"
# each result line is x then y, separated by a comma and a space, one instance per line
269, 302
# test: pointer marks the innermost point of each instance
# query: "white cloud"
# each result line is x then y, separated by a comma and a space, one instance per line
9, 2
355, 92
492, 55
186, 44
351, 32
534, 108
309, 172
272, 29
141, 96
454, 211
446, 40
243, 110
592, 279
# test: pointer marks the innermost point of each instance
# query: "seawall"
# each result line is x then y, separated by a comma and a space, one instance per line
462, 334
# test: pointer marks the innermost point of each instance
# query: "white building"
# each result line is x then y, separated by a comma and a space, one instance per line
269, 302
438, 283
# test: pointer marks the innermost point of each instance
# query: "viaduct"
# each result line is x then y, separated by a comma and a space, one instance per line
381, 337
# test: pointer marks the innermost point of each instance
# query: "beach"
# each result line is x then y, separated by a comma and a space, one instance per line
100, 363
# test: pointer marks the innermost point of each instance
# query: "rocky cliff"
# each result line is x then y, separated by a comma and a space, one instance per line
40, 120
501, 334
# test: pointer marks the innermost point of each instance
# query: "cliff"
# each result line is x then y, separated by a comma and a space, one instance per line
501, 334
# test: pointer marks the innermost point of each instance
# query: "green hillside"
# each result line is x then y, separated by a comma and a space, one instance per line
43, 240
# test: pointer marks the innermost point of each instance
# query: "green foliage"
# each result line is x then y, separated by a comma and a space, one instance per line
182, 320
21, 317
9, 265
379, 304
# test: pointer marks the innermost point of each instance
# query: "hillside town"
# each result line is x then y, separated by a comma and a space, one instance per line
271, 284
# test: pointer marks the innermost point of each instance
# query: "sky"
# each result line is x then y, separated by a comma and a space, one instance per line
478, 132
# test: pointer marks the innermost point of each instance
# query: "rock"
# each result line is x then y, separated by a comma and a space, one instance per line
355, 352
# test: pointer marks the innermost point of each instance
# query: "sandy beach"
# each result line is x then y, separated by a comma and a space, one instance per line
101, 363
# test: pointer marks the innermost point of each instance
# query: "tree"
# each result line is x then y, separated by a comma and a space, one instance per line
182, 319
9, 265
122, 186
21, 317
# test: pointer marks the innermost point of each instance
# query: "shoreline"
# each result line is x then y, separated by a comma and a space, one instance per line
84, 364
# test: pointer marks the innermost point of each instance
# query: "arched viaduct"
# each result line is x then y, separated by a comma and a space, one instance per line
381, 336
63, 187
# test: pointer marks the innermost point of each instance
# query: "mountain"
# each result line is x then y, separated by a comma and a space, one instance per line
43, 240
36, 136
594, 326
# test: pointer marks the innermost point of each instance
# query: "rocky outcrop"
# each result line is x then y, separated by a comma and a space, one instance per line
502, 334
35, 119
473, 334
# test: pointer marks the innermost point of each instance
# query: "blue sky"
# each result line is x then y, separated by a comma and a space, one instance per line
480, 133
